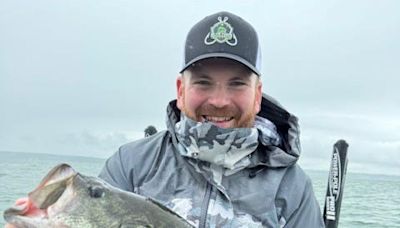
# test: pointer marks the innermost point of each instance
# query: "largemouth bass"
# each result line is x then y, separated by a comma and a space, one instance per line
66, 198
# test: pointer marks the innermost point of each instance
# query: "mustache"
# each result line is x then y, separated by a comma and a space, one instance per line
211, 110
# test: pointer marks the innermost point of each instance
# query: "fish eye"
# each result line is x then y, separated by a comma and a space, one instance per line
96, 192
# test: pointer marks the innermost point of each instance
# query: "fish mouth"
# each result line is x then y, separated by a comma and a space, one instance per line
30, 210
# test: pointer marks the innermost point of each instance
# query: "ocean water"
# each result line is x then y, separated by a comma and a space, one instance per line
370, 201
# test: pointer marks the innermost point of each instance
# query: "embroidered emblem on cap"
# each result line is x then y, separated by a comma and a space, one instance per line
221, 32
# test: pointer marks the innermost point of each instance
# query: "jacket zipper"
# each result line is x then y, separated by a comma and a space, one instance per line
204, 207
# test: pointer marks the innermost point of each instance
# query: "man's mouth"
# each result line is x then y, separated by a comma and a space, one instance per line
220, 121
217, 118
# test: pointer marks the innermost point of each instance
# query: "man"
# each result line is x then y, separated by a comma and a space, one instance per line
228, 156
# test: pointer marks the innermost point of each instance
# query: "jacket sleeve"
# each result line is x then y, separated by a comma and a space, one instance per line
113, 172
308, 213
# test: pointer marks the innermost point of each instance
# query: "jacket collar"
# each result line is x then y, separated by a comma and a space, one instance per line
272, 156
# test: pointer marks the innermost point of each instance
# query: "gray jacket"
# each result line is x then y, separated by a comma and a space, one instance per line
273, 192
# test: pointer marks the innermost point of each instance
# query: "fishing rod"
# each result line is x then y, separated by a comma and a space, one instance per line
334, 193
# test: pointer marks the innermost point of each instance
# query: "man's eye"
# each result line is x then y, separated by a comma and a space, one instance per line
202, 82
237, 83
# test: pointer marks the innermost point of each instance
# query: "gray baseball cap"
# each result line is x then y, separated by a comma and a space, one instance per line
223, 35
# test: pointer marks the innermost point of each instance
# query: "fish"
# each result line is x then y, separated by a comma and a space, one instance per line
68, 199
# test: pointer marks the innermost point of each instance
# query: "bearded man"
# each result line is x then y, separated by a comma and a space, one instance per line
228, 156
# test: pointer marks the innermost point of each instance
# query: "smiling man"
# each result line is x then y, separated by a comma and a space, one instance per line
228, 156
220, 91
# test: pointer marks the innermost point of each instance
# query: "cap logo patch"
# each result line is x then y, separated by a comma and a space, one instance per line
221, 32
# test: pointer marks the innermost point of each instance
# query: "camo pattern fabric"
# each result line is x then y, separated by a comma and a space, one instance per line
224, 150
216, 152
220, 214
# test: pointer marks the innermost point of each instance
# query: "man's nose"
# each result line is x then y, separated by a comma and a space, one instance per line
219, 97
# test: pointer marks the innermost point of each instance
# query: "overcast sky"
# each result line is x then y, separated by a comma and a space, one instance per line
84, 77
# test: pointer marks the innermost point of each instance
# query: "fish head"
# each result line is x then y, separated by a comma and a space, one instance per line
66, 198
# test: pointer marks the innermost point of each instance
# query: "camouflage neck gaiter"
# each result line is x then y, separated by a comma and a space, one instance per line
225, 151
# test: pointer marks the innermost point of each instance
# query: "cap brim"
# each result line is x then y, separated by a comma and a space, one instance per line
222, 55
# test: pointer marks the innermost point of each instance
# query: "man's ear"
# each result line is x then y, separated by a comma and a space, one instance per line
179, 91
258, 96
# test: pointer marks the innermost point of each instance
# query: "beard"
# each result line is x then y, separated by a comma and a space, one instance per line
240, 119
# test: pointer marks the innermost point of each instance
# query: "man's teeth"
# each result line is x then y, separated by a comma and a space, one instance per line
217, 118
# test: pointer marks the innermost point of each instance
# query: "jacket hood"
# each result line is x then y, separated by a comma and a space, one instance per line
287, 126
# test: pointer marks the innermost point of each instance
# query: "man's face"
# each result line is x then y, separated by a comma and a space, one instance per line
220, 91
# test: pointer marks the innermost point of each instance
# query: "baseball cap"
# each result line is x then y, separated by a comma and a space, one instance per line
223, 35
